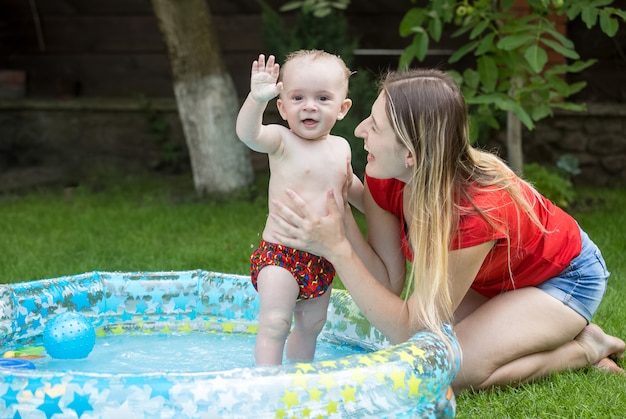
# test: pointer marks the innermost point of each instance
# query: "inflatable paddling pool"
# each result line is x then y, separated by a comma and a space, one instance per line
402, 381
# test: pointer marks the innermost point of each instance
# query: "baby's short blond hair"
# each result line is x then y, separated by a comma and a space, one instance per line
315, 54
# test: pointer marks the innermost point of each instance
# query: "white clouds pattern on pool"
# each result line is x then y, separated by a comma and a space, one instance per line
407, 380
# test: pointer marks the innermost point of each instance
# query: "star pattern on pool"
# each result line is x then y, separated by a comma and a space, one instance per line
412, 378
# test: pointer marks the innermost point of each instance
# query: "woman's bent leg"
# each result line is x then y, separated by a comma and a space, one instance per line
523, 335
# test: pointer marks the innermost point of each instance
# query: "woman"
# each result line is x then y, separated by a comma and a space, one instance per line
516, 275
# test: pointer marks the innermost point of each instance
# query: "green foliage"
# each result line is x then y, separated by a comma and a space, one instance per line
509, 54
555, 185
319, 8
172, 158
308, 31
327, 31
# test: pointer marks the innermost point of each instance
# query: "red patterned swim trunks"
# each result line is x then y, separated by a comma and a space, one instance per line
313, 273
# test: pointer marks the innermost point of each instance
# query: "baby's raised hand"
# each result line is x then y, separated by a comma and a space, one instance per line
263, 80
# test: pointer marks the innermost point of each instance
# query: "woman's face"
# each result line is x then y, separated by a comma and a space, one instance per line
387, 156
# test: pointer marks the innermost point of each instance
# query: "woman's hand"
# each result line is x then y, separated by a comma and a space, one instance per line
300, 228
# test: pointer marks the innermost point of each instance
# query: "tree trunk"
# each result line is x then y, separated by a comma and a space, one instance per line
514, 133
514, 143
206, 96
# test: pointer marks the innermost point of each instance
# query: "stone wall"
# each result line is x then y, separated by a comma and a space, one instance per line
596, 138
65, 142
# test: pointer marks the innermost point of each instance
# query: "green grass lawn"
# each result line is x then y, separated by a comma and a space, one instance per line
136, 225
160, 224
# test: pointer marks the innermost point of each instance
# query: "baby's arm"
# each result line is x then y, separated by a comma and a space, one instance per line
263, 88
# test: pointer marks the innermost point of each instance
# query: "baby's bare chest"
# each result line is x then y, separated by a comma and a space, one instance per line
325, 163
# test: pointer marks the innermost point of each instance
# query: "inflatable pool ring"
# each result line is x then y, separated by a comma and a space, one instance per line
402, 381
16, 364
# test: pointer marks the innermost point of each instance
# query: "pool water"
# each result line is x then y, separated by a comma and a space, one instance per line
177, 352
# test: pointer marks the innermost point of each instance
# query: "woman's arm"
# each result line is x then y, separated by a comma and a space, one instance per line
382, 251
384, 239
355, 192
388, 312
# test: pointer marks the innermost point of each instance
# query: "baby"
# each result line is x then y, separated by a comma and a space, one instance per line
305, 157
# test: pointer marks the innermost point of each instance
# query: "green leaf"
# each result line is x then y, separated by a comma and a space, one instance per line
461, 30
474, 129
493, 122
505, 103
407, 56
414, 17
322, 11
421, 41
340, 5
523, 116
566, 52
488, 99
471, 78
511, 42
540, 112
536, 58
292, 5
456, 76
560, 85
486, 44
460, 53
576, 87
608, 24
479, 28
619, 12
566, 42
488, 113
579, 66
488, 72
573, 11
589, 15
601, 3
435, 27
569, 106
517, 25
467, 92
556, 70
417, 49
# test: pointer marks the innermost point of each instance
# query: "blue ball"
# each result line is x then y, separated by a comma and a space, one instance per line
69, 335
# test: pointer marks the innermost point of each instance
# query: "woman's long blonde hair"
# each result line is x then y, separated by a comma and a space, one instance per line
429, 116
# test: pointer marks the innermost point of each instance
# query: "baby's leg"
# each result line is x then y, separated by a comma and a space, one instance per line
310, 317
278, 292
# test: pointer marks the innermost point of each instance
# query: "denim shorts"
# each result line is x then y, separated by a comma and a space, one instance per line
582, 284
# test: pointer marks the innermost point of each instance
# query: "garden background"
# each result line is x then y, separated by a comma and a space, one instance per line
94, 170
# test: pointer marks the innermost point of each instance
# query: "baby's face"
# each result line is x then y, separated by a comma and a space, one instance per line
313, 96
